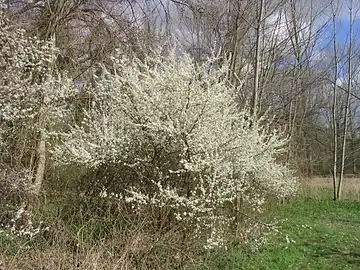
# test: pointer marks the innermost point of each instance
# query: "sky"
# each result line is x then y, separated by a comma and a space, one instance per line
343, 26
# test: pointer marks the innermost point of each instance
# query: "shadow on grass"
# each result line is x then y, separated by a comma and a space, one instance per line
343, 220
344, 256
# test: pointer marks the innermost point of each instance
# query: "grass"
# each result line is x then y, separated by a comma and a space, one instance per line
315, 233
318, 234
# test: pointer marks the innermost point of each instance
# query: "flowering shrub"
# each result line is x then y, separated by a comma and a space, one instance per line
184, 145
32, 94
33, 102
14, 187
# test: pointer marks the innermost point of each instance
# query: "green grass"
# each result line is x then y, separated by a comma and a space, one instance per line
321, 233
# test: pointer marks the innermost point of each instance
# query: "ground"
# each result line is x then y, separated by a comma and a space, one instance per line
317, 233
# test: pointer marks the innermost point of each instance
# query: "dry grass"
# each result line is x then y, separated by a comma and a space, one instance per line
60, 259
107, 256
351, 184
133, 249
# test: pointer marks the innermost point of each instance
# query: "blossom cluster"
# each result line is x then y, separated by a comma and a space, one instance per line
15, 226
31, 89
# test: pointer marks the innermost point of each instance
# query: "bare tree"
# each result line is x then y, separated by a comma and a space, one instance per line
347, 103
334, 103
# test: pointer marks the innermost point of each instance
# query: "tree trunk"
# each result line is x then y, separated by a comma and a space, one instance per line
334, 105
255, 98
40, 167
347, 107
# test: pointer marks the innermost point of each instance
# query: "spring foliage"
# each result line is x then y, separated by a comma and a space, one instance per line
184, 143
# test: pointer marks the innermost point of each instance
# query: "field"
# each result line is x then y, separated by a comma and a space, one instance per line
318, 233
351, 184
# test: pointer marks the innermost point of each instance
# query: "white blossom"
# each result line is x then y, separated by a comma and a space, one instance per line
179, 124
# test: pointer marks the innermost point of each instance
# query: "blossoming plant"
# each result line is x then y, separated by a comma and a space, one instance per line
184, 143
33, 102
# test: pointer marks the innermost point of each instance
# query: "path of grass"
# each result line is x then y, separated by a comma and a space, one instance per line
319, 234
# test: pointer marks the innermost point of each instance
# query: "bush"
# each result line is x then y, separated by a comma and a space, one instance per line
33, 99
180, 144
